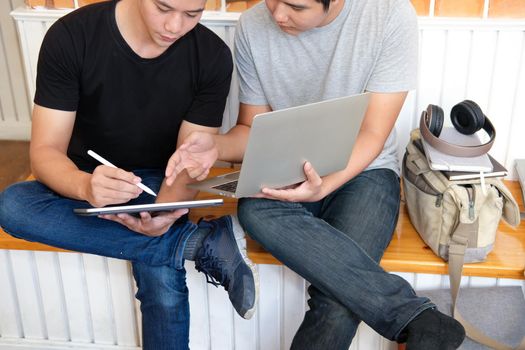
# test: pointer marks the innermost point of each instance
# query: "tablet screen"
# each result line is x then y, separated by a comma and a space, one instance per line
154, 207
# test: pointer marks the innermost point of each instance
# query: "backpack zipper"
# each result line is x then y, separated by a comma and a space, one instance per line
439, 200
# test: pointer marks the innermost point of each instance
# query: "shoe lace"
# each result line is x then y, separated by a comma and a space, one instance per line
212, 267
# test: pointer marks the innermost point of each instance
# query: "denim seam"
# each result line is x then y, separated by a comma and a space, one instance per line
178, 253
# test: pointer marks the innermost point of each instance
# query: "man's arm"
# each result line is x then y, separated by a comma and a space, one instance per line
50, 136
199, 150
231, 146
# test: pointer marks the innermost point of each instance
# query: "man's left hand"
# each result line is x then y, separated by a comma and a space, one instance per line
308, 191
146, 224
196, 155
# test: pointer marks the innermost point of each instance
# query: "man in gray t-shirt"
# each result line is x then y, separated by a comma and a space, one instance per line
369, 46
332, 230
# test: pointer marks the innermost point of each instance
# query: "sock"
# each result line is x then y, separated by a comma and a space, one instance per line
433, 330
193, 244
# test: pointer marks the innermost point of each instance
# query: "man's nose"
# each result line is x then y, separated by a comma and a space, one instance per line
174, 23
280, 13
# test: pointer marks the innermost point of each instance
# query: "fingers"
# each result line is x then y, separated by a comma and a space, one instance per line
147, 224
289, 195
182, 160
103, 171
123, 219
308, 191
175, 214
173, 168
199, 173
109, 185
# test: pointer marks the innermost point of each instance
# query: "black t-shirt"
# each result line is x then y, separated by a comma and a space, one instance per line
129, 109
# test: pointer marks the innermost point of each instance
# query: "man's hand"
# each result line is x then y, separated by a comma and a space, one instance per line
308, 191
197, 154
148, 225
109, 185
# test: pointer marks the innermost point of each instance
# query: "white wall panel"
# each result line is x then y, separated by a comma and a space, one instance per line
455, 68
122, 295
516, 148
14, 107
53, 298
246, 332
99, 298
30, 298
368, 338
76, 300
221, 318
10, 318
31, 34
199, 308
481, 66
269, 310
432, 61
502, 94
292, 304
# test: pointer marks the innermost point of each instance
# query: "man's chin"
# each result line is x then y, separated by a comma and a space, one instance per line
290, 30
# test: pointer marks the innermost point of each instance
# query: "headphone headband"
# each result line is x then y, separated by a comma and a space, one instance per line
450, 148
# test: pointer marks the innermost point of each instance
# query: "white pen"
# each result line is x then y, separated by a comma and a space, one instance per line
105, 162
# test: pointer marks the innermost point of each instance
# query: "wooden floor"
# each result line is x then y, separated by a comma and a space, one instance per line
14, 162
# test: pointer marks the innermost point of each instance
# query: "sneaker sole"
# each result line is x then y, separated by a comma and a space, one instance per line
240, 240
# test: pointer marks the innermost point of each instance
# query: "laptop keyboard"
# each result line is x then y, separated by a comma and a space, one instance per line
228, 186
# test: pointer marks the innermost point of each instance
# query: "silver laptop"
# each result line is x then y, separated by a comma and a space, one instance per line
280, 142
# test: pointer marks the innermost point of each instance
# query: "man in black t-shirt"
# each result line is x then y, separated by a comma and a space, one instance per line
130, 80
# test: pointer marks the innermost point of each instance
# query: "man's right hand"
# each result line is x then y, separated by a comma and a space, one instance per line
196, 155
109, 185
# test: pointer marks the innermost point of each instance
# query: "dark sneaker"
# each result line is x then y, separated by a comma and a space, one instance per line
222, 257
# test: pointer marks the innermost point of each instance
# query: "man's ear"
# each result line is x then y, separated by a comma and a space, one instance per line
333, 3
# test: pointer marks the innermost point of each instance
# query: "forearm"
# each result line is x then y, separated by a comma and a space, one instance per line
367, 147
379, 121
177, 191
54, 169
231, 146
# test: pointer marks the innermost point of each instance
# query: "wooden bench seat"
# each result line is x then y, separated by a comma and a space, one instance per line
406, 252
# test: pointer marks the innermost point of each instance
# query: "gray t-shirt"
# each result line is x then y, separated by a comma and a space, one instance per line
370, 46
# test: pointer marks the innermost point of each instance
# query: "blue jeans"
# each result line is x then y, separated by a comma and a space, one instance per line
31, 211
336, 244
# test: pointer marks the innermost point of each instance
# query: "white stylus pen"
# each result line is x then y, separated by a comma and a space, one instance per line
105, 162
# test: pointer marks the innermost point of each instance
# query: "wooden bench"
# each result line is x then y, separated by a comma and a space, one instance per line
406, 252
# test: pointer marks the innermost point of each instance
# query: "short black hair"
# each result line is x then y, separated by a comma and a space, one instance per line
326, 3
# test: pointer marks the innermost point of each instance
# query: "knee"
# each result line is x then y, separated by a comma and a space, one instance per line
253, 211
160, 287
247, 210
11, 207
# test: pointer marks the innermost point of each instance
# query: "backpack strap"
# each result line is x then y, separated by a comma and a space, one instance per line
456, 255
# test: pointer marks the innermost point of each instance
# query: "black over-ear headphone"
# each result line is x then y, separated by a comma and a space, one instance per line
467, 117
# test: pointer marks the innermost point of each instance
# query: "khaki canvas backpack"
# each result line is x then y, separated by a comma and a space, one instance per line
458, 220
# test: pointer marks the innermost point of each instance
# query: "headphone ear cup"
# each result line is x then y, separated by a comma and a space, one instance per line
467, 117
435, 123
